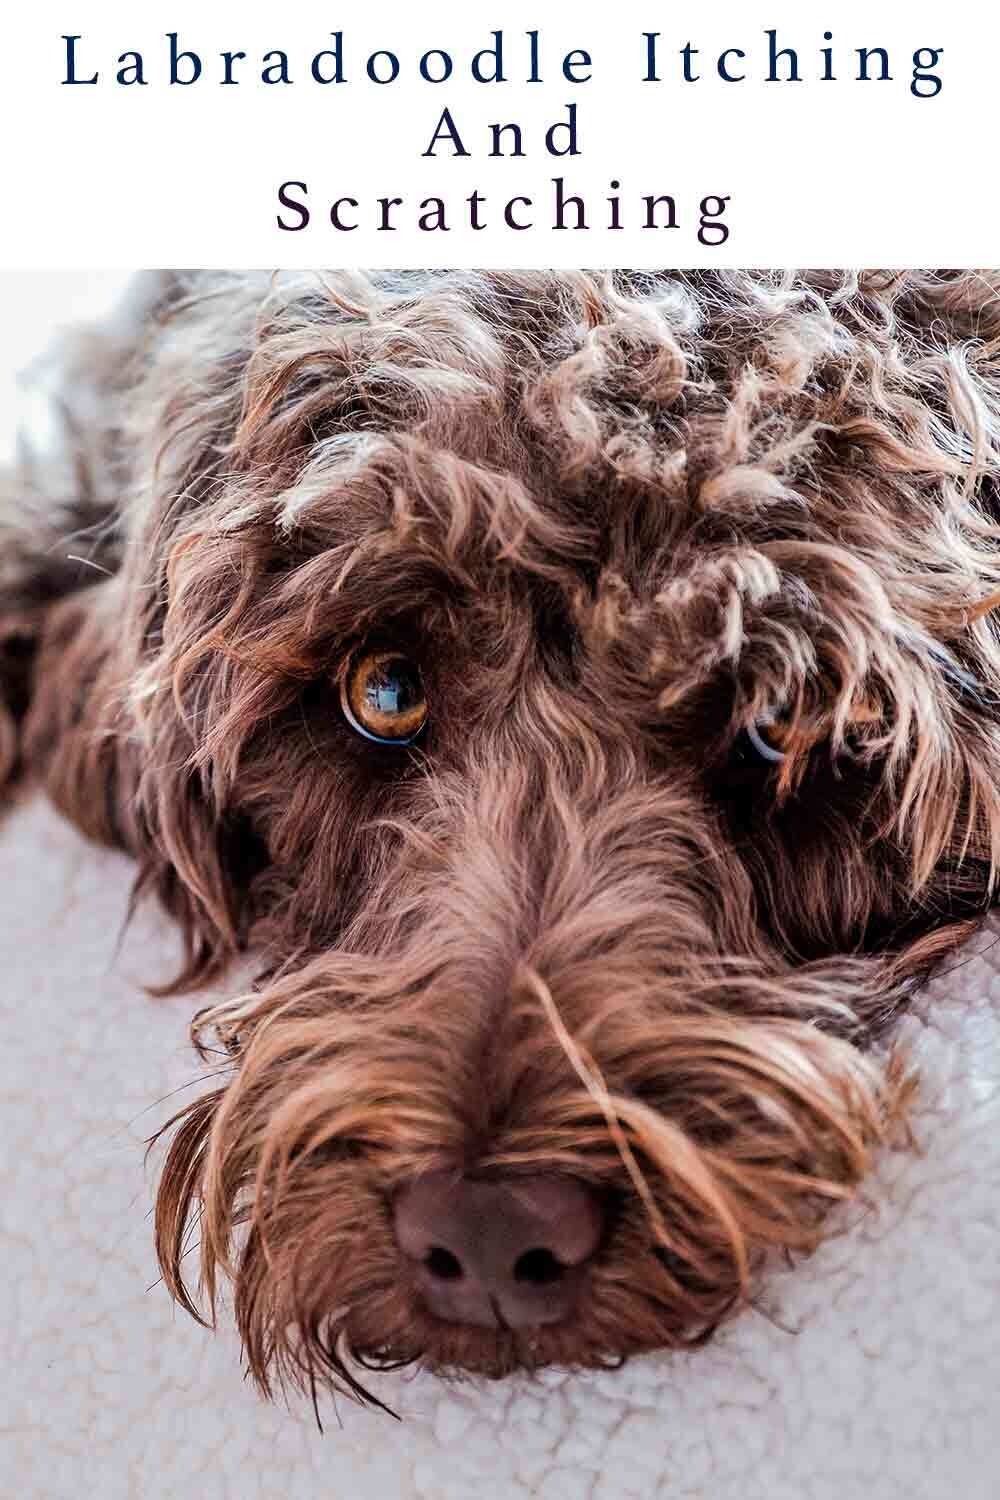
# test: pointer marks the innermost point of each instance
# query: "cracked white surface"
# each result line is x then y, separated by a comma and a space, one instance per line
890, 1389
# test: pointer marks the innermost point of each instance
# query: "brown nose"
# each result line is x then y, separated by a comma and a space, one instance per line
498, 1253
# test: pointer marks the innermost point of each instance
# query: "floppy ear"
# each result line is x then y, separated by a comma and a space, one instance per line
199, 854
134, 785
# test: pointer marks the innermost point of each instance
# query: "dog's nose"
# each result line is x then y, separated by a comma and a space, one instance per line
495, 1253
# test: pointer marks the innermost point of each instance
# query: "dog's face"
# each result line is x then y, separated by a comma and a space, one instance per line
582, 691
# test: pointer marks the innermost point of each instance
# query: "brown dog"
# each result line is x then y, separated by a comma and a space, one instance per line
581, 692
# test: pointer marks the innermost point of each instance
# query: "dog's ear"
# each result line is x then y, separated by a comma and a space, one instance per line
68, 717
199, 854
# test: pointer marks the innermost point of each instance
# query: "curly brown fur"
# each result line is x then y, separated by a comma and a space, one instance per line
618, 520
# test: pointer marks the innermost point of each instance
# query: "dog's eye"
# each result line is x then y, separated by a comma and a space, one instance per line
758, 744
382, 697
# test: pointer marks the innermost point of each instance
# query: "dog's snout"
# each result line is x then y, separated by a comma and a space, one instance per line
508, 1252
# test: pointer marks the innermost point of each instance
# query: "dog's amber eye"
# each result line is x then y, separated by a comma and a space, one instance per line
383, 697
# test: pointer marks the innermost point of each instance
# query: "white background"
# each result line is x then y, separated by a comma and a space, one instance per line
825, 173
34, 305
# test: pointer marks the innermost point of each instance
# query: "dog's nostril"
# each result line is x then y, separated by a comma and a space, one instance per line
539, 1267
442, 1265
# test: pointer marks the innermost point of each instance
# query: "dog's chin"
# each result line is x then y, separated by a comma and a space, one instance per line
412, 1336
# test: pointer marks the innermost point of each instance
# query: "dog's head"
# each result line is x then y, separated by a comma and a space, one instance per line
582, 689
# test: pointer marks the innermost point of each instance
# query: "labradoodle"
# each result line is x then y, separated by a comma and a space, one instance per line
580, 692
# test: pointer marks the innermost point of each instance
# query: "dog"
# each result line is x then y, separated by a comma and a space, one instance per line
580, 693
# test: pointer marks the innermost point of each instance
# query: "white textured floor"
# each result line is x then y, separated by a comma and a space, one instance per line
889, 1390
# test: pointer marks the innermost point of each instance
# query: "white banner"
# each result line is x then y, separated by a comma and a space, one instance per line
642, 133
